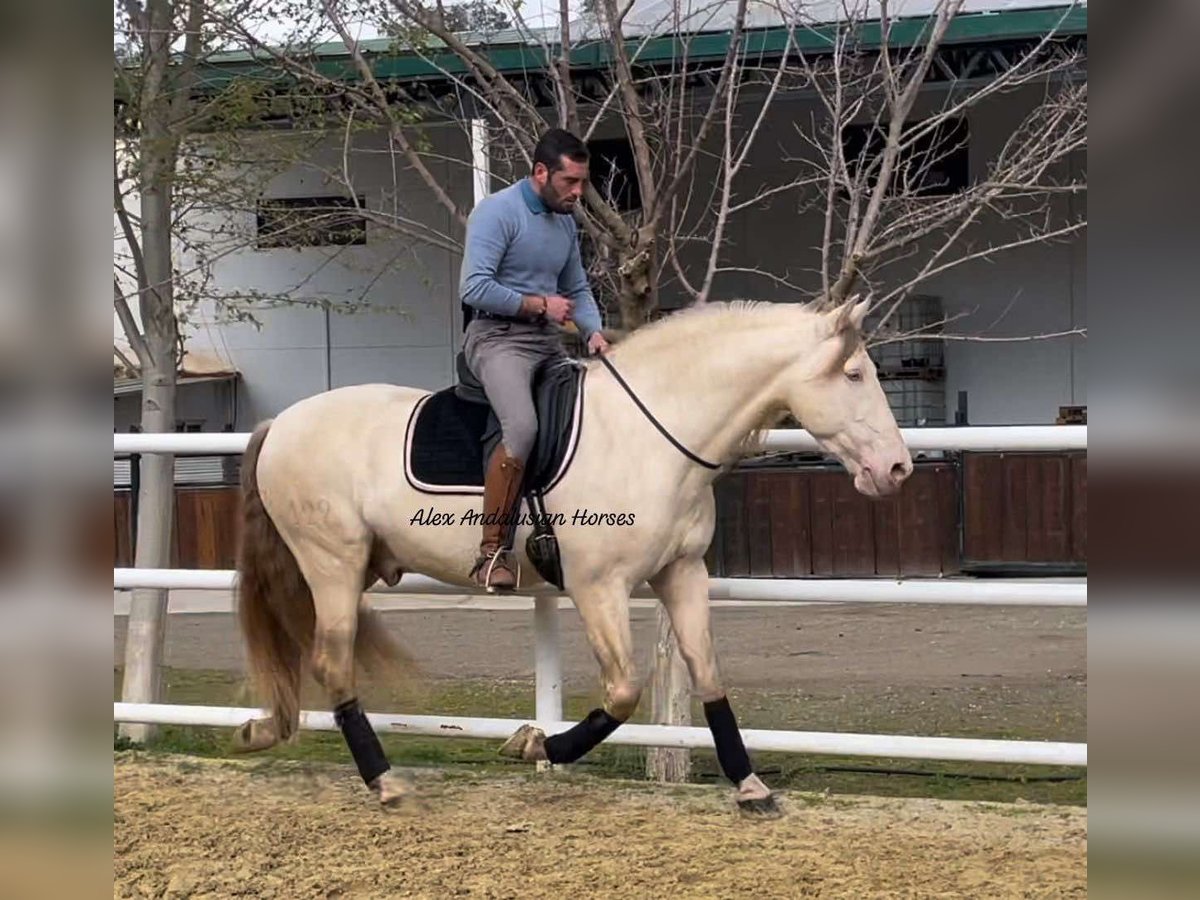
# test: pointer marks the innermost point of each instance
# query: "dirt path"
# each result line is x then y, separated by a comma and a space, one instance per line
760, 648
186, 827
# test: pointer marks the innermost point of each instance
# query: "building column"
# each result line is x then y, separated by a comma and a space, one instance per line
481, 159
481, 184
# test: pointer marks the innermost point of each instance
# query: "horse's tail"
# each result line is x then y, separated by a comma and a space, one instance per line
275, 609
275, 606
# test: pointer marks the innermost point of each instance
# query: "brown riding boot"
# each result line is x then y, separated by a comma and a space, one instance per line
501, 490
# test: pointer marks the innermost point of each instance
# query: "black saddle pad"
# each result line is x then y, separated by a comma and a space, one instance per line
449, 438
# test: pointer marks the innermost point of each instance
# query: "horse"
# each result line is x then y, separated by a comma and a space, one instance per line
327, 512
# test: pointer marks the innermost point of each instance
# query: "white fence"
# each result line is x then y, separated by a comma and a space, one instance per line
548, 703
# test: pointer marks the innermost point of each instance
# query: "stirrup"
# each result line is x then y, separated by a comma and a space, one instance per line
490, 560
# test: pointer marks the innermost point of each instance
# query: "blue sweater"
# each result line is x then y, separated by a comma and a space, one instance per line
517, 246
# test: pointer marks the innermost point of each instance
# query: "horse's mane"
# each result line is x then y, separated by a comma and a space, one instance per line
695, 321
678, 329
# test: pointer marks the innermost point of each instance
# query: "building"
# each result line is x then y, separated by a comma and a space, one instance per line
375, 305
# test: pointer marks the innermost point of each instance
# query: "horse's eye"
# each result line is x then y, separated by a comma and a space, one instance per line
854, 374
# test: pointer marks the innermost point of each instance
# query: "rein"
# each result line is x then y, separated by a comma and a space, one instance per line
649, 415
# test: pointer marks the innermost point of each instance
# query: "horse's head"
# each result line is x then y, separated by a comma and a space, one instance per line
835, 394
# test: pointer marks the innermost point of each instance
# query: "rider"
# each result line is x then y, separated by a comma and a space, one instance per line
521, 271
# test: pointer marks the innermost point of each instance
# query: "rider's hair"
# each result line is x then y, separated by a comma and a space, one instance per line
554, 145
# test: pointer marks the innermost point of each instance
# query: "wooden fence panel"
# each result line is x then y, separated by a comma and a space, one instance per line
791, 525
731, 518
122, 525
853, 530
1049, 540
203, 535
1025, 508
948, 500
822, 523
1015, 508
887, 537
1079, 508
1012, 511
920, 543
206, 527
758, 523
983, 506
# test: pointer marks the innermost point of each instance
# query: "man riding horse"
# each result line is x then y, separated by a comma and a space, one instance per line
522, 271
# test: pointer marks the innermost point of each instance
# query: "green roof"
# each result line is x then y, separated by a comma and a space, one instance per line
389, 61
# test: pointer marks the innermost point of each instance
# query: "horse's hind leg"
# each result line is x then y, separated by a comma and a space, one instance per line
336, 603
682, 586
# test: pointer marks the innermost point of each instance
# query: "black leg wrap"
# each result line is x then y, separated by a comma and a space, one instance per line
731, 752
579, 739
361, 739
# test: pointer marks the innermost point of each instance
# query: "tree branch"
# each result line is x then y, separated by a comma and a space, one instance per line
132, 333
123, 218
570, 110
735, 43
899, 107
631, 105
396, 131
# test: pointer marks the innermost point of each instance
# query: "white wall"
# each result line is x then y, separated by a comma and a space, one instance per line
413, 331
396, 315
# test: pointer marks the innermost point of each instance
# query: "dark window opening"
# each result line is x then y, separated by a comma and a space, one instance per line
310, 222
613, 172
937, 164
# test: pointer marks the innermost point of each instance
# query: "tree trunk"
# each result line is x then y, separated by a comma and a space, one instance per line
636, 290
156, 503
670, 704
158, 150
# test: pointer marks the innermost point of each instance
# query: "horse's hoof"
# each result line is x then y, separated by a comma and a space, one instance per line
255, 735
392, 790
755, 799
527, 743
763, 807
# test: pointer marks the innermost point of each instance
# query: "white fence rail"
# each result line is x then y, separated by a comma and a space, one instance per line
973, 438
1051, 753
548, 664
1023, 592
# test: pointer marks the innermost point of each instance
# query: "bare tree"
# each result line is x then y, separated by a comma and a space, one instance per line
886, 200
160, 102
187, 173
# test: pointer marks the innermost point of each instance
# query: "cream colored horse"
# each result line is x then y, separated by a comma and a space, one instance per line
328, 510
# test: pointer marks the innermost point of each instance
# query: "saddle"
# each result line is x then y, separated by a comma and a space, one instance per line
453, 432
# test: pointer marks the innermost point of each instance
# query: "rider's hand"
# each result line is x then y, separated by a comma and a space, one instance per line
597, 343
559, 309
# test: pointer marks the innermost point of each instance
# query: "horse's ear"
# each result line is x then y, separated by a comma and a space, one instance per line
851, 315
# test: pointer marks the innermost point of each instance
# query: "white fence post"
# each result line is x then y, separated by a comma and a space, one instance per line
547, 673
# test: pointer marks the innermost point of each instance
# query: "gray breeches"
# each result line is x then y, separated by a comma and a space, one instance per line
504, 356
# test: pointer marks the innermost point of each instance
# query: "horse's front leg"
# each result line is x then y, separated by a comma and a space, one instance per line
605, 612
682, 586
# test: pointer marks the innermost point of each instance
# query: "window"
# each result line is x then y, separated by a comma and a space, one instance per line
310, 222
613, 172
937, 164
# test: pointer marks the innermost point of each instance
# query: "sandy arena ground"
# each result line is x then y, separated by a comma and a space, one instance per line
200, 828
188, 827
